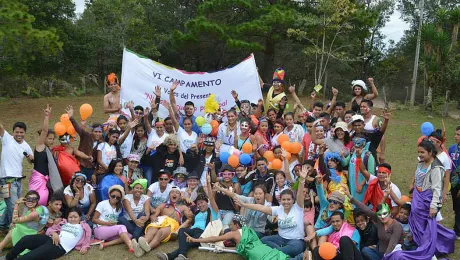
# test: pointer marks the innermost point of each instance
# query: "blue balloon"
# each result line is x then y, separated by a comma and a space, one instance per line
245, 159
427, 128
206, 129
103, 188
224, 157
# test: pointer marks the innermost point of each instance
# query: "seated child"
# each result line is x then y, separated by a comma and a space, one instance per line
407, 242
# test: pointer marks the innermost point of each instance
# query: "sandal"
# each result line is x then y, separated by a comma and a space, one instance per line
101, 246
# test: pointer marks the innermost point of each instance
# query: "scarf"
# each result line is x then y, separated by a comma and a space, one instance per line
374, 194
272, 102
346, 230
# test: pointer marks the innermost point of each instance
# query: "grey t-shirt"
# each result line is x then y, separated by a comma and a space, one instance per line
255, 219
335, 146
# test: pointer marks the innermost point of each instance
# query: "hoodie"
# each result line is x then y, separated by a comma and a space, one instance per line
85, 239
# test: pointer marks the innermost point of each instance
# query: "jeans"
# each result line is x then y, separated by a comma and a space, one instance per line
88, 172
291, 247
40, 246
456, 206
132, 228
371, 253
15, 194
183, 244
226, 217
347, 251
148, 173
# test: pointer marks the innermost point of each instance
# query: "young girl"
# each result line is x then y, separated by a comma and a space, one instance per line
294, 131
278, 128
60, 239
263, 138
106, 218
227, 131
245, 135
80, 194
281, 185
180, 177
190, 193
136, 209
186, 135
29, 223
116, 168
125, 147
132, 172
159, 191
359, 93
108, 151
140, 140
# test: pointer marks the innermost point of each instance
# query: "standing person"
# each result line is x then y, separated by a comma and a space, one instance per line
106, 220
438, 142
112, 104
88, 143
340, 142
81, 195
278, 128
198, 160
136, 211
185, 132
228, 130
359, 93
245, 136
294, 131
60, 239
454, 152
189, 110
263, 138
14, 150
276, 98
44, 163
290, 237
431, 237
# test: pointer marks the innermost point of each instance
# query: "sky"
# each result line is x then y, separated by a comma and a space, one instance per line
394, 29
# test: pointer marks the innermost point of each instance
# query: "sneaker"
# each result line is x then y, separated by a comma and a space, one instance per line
144, 245
162, 256
181, 257
174, 236
95, 241
138, 252
458, 237
101, 246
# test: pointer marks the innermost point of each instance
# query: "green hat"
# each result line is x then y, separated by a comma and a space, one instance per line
142, 182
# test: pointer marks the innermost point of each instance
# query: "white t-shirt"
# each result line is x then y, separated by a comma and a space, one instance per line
12, 156
107, 212
85, 202
444, 158
290, 226
70, 235
186, 140
205, 171
394, 188
137, 209
125, 147
155, 140
109, 152
159, 197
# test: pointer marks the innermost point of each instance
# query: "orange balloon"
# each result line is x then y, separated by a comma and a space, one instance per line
59, 129
233, 161
286, 146
296, 147
283, 138
214, 124
405, 198
67, 124
269, 155
214, 131
64, 118
277, 164
71, 131
247, 148
327, 251
86, 110
288, 156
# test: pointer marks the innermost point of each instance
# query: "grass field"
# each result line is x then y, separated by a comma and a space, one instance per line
401, 136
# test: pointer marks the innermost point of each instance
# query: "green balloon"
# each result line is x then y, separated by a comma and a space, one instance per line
287, 106
200, 121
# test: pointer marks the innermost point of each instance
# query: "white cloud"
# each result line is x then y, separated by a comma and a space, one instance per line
79, 6
394, 29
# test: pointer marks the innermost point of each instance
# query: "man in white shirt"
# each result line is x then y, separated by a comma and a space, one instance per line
14, 150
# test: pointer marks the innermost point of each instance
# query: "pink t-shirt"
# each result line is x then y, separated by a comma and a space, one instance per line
306, 141
309, 216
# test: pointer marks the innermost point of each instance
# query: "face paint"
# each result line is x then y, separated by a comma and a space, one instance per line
245, 108
244, 126
384, 211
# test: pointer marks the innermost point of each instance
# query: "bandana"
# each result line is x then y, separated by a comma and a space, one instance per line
239, 219
142, 182
78, 174
383, 169
159, 124
359, 142
97, 129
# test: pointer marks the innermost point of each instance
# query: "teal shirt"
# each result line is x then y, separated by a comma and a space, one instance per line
200, 219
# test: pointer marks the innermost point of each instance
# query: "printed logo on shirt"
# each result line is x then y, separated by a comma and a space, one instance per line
454, 156
287, 223
169, 163
72, 229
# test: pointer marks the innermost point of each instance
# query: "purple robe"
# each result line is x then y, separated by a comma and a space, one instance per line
431, 237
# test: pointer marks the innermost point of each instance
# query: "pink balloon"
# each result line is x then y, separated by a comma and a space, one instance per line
237, 152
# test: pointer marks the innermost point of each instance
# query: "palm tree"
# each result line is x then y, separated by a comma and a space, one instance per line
455, 19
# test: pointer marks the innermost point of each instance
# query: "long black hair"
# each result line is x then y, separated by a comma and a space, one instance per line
137, 140
113, 164
429, 147
116, 144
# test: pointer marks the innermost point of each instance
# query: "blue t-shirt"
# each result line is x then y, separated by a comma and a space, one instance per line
245, 188
200, 219
454, 153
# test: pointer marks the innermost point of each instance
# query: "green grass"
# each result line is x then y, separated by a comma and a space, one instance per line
401, 153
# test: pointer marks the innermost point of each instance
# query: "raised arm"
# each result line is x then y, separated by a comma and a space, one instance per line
172, 114
314, 139
258, 207
295, 97
70, 111
147, 124
40, 146
386, 120
300, 194
375, 92
212, 199
172, 99
371, 214
335, 92
127, 131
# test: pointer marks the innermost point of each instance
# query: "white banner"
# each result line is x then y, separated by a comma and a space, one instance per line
140, 75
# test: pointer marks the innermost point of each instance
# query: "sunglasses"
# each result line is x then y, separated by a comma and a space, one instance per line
115, 197
31, 199
163, 179
226, 173
334, 202
138, 112
80, 180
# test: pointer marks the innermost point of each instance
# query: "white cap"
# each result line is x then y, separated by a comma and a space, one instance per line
342, 125
359, 83
356, 118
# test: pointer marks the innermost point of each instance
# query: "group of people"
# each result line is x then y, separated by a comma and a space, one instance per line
141, 181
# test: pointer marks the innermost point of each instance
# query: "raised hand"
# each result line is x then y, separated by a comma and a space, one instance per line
133, 123
303, 172
370, 80
313, 95
69, 111
335, 91
157, 91
174, 85
47, 110
234, 94
292, 89
166, 104
260, 102
130, 105
386, 115
153, 105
